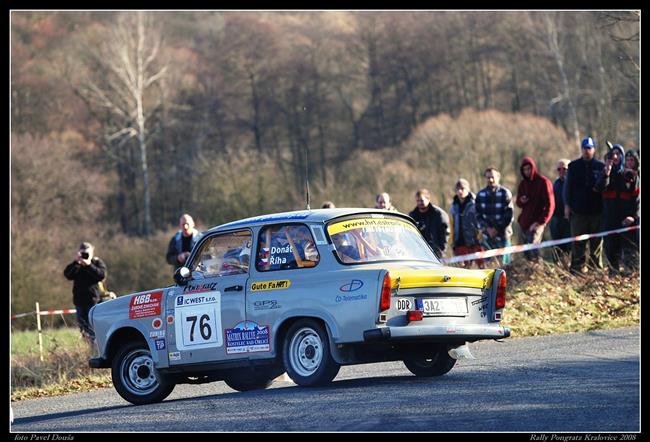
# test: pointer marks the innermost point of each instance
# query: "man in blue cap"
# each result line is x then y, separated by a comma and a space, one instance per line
583, 206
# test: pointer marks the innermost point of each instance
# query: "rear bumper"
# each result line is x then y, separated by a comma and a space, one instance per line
437, 333
98, 363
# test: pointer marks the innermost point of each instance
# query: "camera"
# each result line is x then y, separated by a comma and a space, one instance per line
628, 175
85, 255
608, 155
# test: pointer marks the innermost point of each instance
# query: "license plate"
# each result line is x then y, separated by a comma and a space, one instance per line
444, 306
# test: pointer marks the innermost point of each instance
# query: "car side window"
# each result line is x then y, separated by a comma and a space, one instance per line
286, 246
225, 254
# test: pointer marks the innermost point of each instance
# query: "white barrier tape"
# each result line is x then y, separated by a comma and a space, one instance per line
21, 315
46, 312
526, 247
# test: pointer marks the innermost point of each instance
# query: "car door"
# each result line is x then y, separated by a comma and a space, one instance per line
284, 270
202, 313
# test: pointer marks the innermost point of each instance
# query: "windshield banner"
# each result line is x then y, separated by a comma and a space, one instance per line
371, 224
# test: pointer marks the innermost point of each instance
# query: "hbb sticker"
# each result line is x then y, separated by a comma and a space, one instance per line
145, 305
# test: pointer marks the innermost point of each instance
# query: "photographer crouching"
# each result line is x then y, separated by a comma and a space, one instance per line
87, 271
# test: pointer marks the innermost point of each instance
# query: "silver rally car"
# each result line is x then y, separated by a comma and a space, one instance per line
303, 292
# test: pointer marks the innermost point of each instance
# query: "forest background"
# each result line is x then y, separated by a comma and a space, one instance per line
122, 121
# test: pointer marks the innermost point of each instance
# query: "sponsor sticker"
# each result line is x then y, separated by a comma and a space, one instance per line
207, 287
279, 284
175, 356
157, 334
269, 304
352, 286
247, 337
156, 323
349, 298
160, 344
479, 301
376, 224
145, 305
170, 319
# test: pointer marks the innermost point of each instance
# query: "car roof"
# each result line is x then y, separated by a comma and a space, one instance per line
315, 215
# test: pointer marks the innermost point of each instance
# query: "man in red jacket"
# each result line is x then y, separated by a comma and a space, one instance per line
535, 198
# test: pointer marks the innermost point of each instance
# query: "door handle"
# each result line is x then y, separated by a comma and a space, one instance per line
234, 288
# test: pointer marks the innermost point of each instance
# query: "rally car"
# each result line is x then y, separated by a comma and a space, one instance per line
299, 292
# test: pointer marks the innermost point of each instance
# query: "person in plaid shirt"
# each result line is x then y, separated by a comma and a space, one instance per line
494, 212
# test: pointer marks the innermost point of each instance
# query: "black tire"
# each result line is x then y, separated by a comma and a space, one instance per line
135, 378
240, 383
306, 354
434, 361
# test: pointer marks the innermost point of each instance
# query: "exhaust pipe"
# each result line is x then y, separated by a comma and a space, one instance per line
461, 352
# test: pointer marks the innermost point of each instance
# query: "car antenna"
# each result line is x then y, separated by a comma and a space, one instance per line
304, 108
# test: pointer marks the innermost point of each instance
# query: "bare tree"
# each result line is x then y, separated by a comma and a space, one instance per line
126, 69
553, 43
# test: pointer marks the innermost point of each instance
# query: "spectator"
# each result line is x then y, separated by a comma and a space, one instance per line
632, 181
494, 212
382, 201
583, 206
86, 271
328, 205
465, 231
432, 221
620, 204
182, 242
560, 227
535, 198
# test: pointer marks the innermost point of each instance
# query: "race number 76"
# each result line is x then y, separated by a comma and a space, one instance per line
199, 327
204, 326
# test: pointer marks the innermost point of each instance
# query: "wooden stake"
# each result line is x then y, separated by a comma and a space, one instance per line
40, 336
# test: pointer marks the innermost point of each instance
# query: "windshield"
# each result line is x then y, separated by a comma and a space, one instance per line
372, 239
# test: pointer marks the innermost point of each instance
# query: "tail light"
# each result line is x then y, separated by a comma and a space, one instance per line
384, 302
501, 292
414, 315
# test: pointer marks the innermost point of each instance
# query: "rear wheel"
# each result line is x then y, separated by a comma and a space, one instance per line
434, 361
307, 357
135, 378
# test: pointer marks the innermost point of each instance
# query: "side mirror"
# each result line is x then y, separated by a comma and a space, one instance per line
182, 275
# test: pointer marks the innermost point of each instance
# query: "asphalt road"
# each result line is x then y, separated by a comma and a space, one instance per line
582, 382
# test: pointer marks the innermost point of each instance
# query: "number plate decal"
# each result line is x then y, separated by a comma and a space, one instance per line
198, 320
444, 306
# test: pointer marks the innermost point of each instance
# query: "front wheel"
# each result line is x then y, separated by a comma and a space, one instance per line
135, 378
430, 362
306, 354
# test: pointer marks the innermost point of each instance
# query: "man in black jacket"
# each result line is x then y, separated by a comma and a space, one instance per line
86, 271
583, 206
432, 221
